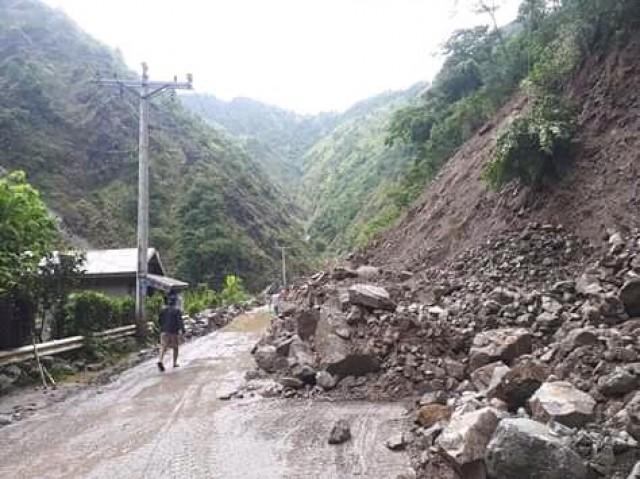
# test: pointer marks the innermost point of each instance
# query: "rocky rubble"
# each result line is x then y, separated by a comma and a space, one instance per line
527, 341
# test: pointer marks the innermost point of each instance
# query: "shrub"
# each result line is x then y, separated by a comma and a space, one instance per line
199, 299
90, 311
233, 291
534, 147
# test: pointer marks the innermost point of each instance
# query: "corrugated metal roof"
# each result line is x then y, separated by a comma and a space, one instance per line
114, 261
165, 283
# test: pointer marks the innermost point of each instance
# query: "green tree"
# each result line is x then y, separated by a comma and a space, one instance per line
27, 231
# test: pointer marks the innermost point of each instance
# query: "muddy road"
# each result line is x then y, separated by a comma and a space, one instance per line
148, 424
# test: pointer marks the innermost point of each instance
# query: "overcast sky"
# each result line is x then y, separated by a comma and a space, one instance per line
305, 55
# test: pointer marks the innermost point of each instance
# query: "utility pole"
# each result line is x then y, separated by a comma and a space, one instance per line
283, 255
145, 90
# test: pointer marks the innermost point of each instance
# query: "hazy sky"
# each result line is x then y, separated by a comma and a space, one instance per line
305, 55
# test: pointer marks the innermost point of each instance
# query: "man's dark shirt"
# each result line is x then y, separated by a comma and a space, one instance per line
171, 320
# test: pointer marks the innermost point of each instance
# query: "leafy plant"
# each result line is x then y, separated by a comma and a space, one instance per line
233, 291
199, 299
534, 147
27, 231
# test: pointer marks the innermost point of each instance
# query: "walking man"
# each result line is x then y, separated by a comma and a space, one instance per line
171, 326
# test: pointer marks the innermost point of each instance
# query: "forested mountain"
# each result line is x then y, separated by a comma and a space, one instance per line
275, 137
213, 209
350, 173
337, 165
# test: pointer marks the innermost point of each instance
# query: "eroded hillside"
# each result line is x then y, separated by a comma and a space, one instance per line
599, 191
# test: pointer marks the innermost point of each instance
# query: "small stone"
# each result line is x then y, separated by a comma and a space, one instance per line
340, 433
396, 442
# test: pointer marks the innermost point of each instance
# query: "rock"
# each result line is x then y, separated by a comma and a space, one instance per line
396, 442
325, 380
371, 296
466, 437
562, 402
5, 419
635, 472
305, 373
299, 352
499, 344
618, 383
432, 414
5, 383
368, 272
291, 382
632, 410
434, 397
344, 333
630, 296
516, 386
267, 358
525, 449
307, 322
454, 369
503, 296
339, 273
488, 375
581, 337
340, 432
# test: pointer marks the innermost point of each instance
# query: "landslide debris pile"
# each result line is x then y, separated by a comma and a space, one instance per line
523, 353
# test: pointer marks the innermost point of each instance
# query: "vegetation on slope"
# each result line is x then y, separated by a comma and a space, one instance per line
78, 144
275, 137
347, 174
484, 67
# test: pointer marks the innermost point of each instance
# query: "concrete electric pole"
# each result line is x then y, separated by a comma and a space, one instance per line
283, 254
145, 90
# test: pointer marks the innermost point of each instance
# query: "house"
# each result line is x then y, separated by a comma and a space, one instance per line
113, 272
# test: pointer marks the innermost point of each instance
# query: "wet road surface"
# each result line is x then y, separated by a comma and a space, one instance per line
148, 424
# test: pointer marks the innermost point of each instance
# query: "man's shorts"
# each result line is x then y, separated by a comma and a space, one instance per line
169, 340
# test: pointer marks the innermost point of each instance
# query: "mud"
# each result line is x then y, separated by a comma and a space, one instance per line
148, 424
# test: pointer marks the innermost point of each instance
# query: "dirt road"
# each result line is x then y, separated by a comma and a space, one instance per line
148, 424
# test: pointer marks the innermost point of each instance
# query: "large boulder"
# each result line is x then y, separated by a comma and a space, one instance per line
525, 449
620, 382
517, 385
300, 352
466, 437
499, 344
562, 402
267, 358
371, 296
307, 321
339, 356
630, 296
486, 377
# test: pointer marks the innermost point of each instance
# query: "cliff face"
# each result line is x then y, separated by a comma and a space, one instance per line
599, 191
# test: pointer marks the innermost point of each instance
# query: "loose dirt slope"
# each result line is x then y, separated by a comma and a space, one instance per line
457, 210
